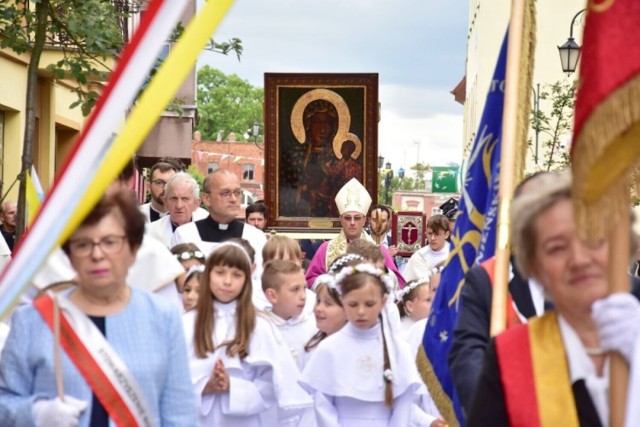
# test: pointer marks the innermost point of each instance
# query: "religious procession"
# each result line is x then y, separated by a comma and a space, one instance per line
136, 291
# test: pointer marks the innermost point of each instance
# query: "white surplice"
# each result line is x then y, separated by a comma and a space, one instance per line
345, 375
261, 384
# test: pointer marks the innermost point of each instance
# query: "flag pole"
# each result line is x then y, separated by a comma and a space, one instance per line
508, 168
619, 244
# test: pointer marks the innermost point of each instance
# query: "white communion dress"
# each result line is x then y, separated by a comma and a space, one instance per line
345, 376
261, 384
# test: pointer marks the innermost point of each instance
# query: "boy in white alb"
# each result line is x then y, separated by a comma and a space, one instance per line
437, 250
284, 286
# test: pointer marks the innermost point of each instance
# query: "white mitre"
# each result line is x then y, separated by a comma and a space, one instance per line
353, 197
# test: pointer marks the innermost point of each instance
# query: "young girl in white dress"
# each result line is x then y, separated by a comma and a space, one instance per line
415, 321
329, 314
414, 302
328, 311
363, 374
239, 367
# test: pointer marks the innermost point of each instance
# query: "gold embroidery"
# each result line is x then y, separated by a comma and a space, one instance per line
344, 120
602, 6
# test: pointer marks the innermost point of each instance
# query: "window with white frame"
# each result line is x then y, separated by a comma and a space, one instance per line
247, 172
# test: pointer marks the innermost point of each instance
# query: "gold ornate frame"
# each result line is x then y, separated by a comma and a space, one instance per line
355, 98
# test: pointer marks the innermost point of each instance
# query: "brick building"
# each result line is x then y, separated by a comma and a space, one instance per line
245, 159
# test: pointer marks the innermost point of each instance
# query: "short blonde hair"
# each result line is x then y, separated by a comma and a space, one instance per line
273, 270
278, 245
525, 210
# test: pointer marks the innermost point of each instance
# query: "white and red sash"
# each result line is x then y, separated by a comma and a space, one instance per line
99, 364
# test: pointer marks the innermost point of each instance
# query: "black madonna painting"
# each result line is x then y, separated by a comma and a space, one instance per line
321, 132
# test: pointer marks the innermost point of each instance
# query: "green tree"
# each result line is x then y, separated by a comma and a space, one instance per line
408, 183
87, 32
554, 125
226, 103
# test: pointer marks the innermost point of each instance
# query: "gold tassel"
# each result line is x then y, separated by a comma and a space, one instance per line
440, 398
528, 49
606, 154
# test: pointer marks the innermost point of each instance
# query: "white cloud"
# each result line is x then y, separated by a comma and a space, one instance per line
434, 139
417, 47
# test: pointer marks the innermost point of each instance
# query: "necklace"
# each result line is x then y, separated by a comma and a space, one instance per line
595, 351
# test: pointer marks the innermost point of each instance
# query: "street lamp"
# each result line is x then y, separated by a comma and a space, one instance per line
387, 181
380, 161
401, 173
255, 132
570, 51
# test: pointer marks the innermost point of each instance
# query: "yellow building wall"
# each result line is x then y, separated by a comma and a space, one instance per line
57, 127
488, 20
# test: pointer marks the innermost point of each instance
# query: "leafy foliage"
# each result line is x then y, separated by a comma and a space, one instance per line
418, 182
226, 103
554, 126
87, 32
233, 45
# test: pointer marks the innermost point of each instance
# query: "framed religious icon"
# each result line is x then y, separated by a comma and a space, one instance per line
408, 231
321, 130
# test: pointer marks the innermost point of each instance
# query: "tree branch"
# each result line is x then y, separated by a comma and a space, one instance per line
76, 42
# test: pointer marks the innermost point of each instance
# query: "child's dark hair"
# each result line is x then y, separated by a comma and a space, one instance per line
438, 223
229, 255
355, 281
187, 251
247, 247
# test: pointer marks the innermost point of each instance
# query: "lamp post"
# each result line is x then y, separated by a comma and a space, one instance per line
255, 132
570, 50
387, 181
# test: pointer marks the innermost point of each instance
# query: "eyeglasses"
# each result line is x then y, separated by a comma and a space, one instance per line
109, 245
356, 218
159, 182
227, 193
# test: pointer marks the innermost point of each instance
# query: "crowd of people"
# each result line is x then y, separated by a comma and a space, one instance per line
176, 315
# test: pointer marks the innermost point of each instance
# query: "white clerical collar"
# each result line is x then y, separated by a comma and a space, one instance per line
223, 226
161, 214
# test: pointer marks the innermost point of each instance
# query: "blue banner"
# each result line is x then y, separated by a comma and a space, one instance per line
473, 241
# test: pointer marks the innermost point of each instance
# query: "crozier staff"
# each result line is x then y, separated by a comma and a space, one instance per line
123, 356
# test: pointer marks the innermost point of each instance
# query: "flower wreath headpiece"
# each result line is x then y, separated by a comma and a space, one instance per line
414, 284
363, 268
339, 262
323, 279
198, 268
187, 255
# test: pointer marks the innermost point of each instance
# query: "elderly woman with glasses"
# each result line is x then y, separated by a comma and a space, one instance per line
553, 370
101, 352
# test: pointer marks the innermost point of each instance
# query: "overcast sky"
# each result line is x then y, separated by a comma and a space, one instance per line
418, 48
